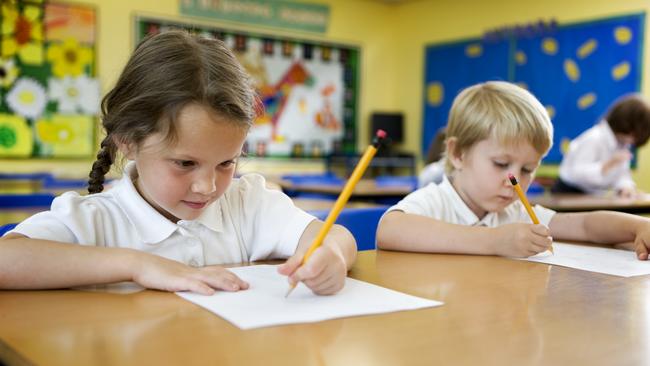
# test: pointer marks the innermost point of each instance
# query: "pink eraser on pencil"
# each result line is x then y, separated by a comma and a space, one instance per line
512, 178
381, 134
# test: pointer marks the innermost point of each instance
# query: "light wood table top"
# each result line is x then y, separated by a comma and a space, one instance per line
586, 202
497, 312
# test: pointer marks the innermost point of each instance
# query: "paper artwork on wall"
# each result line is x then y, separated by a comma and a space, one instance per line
49, 95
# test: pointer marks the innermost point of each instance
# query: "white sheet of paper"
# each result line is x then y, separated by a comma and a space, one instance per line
264, 304
615, 262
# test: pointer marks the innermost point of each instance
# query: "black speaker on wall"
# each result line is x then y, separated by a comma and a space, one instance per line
392, 123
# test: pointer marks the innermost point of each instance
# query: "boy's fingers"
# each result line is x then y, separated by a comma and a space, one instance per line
641, 250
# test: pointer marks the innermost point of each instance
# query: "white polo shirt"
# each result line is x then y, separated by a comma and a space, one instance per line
249, 222
582, 164
442, 202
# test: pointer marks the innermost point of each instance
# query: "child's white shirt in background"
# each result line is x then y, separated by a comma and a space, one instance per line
442, 202
582, 164
249, 222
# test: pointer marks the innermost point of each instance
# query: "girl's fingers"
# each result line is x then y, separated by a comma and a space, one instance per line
289, 267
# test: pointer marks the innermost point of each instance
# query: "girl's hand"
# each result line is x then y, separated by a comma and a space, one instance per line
324, 273
522, 240
160, 273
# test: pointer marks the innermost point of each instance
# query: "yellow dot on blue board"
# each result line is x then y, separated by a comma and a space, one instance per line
622, 35
474, 50
586, 100
571, 70
435, 93
520, 58
620, 71
549, 46
564, 145
550, 110
587, 48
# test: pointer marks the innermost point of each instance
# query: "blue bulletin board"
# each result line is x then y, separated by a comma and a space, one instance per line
576, 71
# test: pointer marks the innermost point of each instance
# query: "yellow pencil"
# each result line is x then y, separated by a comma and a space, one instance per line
524, 200
343, 198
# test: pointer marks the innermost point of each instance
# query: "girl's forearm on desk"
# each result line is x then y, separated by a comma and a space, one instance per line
42, 264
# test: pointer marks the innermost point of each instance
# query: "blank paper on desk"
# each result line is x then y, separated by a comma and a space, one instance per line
615, 262
264, 304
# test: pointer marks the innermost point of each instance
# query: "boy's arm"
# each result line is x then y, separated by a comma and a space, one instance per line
603, 227
401, 231
27, 263
414, 233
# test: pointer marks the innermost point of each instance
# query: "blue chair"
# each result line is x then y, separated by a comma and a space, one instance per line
362, 223
42, 199
6, 227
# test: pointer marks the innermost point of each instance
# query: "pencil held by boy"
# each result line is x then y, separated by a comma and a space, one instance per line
179, 112
599, 159
494, 129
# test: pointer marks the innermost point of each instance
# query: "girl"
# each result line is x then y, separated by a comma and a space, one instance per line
179, 113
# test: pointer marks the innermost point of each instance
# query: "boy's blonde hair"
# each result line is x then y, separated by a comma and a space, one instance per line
500, 109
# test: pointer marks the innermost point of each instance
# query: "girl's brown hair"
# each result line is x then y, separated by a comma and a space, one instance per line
165, 73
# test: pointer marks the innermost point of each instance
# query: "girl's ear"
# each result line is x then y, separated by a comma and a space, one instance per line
127, 149
453, 154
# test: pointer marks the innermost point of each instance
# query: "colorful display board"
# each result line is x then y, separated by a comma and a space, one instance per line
49, 96
309, 89
576, 71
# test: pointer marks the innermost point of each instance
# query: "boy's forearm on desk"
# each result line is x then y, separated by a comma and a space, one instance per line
605, 227
402, 231
39, 264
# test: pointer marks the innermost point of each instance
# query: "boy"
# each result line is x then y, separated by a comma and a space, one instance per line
494, 129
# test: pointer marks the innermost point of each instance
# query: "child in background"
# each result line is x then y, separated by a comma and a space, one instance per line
179, 112
435, 164
599, 159
494, 129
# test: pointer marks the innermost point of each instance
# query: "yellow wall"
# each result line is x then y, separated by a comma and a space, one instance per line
392, 38
363, 23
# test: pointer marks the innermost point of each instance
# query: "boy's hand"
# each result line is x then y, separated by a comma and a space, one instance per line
324, 273
523, 240
160, 273
642, 243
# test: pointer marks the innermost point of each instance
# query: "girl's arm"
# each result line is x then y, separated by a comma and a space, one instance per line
27, 263
603, 227
407, 232
326, 269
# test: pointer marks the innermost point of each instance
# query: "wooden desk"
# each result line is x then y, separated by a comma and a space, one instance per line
365, 189
583, 202
497, 312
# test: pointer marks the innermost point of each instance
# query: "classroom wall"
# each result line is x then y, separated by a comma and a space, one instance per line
428, 22
392, 38
362, 23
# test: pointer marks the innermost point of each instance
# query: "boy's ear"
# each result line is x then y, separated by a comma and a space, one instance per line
453, 153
